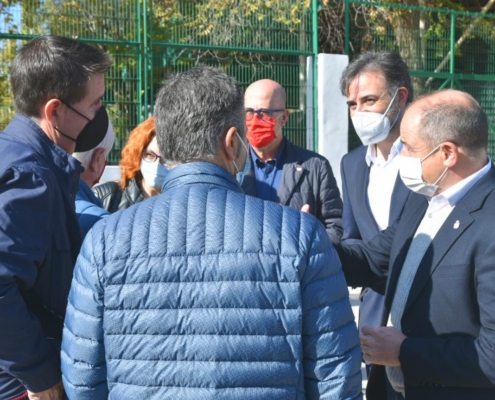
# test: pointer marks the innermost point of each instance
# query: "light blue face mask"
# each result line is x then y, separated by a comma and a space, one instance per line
247, 165
154, 173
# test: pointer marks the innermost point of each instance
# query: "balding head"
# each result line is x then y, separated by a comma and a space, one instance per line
451, 116
265, 93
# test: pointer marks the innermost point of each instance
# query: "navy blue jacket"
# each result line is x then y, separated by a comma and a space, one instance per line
39, 242
89, 208
360, 225
449, 317
307, 178
203, 292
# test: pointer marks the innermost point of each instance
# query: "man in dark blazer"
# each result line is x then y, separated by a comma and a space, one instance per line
437, 339
374, 195
281, 171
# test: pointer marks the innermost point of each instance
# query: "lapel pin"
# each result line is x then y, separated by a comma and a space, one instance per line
299, 169
457, 224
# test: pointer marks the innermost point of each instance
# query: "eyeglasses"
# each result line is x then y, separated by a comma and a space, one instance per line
263, 113
149, 156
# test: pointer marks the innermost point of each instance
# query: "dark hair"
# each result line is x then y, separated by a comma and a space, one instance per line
54, 67
388, 63
193, 111
446, 120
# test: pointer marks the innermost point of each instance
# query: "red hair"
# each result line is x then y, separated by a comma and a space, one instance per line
139, 139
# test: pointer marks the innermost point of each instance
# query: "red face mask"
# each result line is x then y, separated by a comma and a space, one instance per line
260, 133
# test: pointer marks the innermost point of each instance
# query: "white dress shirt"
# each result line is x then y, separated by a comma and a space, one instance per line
383, 175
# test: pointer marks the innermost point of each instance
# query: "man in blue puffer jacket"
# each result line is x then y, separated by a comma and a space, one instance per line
204, 292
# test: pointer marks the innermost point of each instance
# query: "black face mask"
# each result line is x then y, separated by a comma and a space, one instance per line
93, 132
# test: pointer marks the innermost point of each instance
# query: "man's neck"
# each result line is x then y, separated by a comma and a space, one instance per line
384, 147
269, 152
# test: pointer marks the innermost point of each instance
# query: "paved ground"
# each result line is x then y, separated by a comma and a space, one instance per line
354, 296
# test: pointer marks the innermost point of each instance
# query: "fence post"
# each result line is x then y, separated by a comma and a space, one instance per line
315, 72
347, 25
143, 73
452, 50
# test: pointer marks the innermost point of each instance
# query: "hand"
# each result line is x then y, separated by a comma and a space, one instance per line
381, 345
305, 208
54, 393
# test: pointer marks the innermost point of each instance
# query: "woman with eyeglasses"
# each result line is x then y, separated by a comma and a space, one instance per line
141, 168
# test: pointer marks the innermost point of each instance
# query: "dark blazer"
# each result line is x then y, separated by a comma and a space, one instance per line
307, 178
360, 225
449, 318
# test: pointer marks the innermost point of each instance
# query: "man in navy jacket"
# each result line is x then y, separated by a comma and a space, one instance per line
378, 88
437, 339
58, 85
281, 171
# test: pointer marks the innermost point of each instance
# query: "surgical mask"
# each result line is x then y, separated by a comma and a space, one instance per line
261, 133
247, 165
154, 173
411, 174
93, 132
373, 127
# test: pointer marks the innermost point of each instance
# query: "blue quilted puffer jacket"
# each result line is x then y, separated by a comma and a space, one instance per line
206, 293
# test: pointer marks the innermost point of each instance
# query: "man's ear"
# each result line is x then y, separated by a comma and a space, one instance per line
450, 154
51, 111
402, 95
285, 118
95, 159
229, 144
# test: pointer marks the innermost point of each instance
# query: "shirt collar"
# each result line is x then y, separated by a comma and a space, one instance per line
279, 158
371, 157
455, 193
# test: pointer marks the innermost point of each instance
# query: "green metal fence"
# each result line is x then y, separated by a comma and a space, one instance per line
151, 39
443, 48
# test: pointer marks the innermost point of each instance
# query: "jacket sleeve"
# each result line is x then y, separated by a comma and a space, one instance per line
332, 355
458, 360
367, 264
351, 232
330, 212
83, 354
88, 214
25, 235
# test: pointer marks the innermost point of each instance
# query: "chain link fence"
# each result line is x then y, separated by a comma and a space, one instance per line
149, 40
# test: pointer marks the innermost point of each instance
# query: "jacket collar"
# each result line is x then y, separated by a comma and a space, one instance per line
293, 172
66, 168
200, 172
86, 194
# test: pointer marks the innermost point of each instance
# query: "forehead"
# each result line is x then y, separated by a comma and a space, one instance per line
261, 98
409, 128
96, 88
367, 83
153, 146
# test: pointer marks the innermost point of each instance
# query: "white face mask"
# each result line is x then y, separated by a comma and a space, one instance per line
154, 173
411, 174
247, 165
373, 127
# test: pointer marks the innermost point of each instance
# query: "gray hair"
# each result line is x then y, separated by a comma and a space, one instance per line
193, 111
106, 144
465, 125
388, 63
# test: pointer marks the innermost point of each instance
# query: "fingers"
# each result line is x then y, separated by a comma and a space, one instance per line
305, 208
